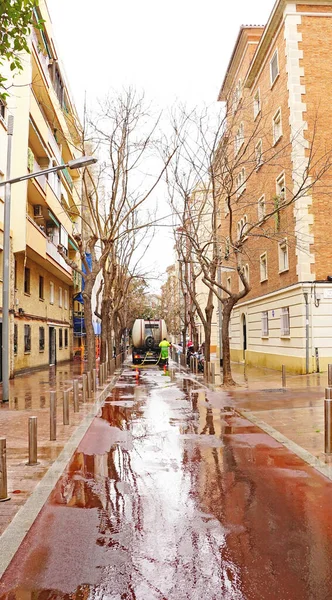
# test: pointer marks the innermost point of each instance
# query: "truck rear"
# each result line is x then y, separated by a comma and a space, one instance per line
146, 337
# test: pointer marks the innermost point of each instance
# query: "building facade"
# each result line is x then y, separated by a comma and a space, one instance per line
45, 211
276, 91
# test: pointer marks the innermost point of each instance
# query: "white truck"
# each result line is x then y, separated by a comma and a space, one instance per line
146, 336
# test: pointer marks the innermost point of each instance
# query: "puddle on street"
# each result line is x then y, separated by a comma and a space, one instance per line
171, 495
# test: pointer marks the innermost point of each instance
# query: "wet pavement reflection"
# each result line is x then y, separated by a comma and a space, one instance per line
171, 495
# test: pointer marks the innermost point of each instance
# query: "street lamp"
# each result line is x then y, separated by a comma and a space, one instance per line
78, 163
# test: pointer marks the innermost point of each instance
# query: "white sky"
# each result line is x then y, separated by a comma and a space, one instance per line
177, 50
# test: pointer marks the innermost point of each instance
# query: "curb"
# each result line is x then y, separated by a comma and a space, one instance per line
307, 457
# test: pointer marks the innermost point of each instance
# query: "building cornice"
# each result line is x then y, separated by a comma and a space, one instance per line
241, 43
272, 25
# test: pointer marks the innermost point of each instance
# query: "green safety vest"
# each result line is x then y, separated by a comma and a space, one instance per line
164, 345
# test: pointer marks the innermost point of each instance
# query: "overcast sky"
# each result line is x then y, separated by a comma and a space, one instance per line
175, 50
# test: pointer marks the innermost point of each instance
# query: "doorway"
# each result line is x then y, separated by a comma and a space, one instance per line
244, 336
52, 346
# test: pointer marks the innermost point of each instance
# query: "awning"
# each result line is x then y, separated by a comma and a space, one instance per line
72, 244
51, 215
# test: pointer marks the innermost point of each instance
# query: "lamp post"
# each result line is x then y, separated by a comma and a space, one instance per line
84, 161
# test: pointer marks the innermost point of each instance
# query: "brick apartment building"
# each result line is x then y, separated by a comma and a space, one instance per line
277, 92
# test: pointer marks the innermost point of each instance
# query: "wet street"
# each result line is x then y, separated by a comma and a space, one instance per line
171, 495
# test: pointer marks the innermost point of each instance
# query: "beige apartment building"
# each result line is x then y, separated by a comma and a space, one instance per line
277, 92
45, 211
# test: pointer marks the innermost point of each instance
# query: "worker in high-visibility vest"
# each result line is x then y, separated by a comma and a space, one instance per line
164, 345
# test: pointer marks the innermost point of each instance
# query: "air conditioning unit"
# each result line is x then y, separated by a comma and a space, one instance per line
37, 210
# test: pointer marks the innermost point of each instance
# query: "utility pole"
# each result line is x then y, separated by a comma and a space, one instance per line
6, 268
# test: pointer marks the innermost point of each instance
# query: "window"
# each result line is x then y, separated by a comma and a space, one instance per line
257, 104
60, 339
41, 339
26, 280
281, 189
261, 208
245, 271
274, 67
15, 339
237, 95
2, 110
66, 299
239, 138
60, 296
265, 323
259, 154
284, 321
41, 287
229, 284
276, 125
51, 292
66, 338
263, 266
227, 248
283, 256
241, 228
27, 338
15, 275
240, 182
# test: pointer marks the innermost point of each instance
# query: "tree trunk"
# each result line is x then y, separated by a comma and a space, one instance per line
226, 365
207, 327
105, 305
207, 340
89, 331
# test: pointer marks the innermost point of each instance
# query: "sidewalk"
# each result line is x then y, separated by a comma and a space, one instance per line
29, 396
297, 411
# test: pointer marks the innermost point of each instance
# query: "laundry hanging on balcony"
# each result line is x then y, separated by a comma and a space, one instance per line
79, 297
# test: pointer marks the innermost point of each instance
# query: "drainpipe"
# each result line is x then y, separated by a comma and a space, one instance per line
305, 293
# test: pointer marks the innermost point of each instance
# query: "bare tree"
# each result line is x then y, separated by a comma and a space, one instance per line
123, 136
214, 190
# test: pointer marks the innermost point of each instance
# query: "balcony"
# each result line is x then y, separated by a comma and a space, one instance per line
43, 59
52, 251
34, 167
53, 202
36, 238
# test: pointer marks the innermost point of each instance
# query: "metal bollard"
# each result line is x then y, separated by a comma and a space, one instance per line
84, 387
213, 372
329, 375
94, 380
32, 441
89, 380
52, 416
66, 407
100, 374
3, 471
75, 396
283, 376
328, 420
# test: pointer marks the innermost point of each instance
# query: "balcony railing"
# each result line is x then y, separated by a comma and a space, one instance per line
53, 252
67, 176
34, 167
43, 58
